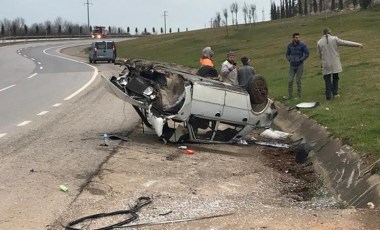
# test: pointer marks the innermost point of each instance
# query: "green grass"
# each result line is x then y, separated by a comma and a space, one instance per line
354, 117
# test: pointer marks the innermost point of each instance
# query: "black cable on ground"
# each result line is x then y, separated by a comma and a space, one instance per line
141, 201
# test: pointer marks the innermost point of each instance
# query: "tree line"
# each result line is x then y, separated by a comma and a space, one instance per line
58, 27
292, 8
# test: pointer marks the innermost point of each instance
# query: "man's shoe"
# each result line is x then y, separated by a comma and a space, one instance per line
337, 95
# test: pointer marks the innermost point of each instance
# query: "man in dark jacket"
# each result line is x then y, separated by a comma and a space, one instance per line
296, 53
245, 72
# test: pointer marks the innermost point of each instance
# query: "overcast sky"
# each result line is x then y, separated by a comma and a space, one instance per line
191, 14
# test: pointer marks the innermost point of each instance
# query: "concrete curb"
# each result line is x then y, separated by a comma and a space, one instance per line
340, 166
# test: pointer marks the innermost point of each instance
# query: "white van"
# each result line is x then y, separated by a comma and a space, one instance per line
102, 51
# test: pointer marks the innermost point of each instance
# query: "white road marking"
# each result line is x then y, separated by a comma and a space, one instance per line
39, 63
58, 104
85, 85
24, 123
41, 67
42, 113
2, 135
32, 59
25, 56
32, 75
7, 88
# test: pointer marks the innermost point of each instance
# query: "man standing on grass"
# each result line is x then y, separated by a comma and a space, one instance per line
328, 52
296, 53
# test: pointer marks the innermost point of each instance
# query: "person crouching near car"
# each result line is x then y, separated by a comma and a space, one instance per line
206, 59
228, 72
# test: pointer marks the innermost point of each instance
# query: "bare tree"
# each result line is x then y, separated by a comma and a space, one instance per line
245, 12
253, 12
218, 19
225, 14
235, 7
232, 10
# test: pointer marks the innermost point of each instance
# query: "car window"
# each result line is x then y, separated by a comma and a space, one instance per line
101, 45
109, 45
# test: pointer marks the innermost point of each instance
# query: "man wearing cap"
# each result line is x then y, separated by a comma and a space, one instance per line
296, 53
245, 72
228, 72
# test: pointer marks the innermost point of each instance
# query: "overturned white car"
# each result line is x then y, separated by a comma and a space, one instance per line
183, 107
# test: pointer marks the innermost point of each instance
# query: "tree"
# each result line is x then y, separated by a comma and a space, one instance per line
341, 4
225, 14
70, 29
306, 10
245, 12
25, 29
37, 29
235, 8
153, 30
128, 30
253, 12
218, 19
136, 31
332, 5
315, 6
145, 31
110, 29
321, 6
162, 30
300, 11
365, 4
60, 29
170, 30
355, 3
232, 13
2, 29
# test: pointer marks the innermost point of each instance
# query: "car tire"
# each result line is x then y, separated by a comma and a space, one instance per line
94, 62
113, 61
258, 93
90, 61
207, 71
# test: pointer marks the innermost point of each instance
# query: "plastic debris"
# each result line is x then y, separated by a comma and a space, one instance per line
63, 188
275, 134
189, 151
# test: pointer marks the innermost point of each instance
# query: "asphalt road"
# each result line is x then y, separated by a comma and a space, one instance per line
53, 112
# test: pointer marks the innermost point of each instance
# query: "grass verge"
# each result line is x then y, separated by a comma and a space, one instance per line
354, 117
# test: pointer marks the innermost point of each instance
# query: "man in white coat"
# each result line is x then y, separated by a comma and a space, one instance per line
328, 52
228, 73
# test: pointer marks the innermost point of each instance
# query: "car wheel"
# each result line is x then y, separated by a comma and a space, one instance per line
108, 61
94, 61
207, 71
258, 93
90, 61
113, 61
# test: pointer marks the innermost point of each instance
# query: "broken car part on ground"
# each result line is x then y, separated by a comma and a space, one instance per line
181, 106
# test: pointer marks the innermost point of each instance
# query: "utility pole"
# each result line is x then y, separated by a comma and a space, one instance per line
165, 15
88, 12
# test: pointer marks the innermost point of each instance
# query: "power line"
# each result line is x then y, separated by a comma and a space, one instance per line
88, 12
165, 15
